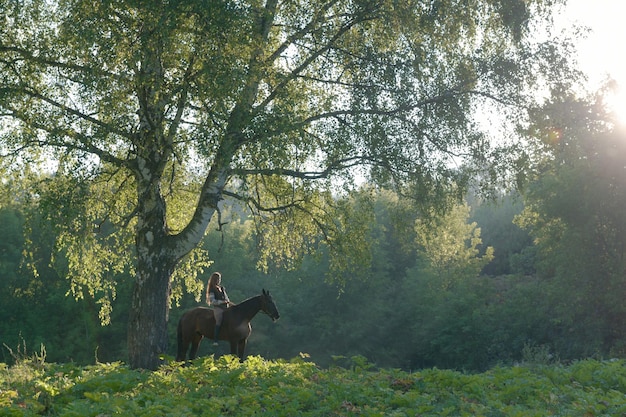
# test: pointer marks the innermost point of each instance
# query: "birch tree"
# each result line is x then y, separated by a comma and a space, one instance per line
147, 115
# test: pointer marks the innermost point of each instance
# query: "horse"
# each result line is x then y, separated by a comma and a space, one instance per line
199, 322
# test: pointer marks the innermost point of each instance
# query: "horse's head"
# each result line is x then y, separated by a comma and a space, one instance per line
268, 306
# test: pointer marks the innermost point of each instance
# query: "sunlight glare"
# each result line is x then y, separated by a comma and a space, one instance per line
597, 53
616, 104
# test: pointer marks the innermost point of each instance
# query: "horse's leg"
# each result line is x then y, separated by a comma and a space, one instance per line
241, 347
195, 344
182, 351
182, 342
233, 346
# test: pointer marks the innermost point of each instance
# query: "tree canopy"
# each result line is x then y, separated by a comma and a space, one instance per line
148, 114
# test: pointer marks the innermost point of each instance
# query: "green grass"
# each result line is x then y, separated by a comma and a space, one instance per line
259, 387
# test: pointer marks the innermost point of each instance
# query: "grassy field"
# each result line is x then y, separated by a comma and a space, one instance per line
259, 387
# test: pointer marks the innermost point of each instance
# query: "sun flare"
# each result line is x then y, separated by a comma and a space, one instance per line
616, 104
596, 51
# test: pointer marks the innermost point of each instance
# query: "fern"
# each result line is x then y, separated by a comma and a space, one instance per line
260, 387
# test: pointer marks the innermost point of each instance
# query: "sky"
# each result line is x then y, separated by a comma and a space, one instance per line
602, 53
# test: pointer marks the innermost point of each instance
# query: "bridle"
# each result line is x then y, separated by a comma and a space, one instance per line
264, 305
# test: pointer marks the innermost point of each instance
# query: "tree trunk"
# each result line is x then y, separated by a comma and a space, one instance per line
147, 328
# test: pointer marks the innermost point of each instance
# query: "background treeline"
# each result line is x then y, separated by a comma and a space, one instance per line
485, 283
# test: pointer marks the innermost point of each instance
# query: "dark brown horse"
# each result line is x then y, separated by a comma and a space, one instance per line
199, 322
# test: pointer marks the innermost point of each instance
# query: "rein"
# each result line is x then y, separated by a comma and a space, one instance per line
264, 308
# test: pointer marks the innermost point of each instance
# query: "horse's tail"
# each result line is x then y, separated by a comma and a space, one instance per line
181, 350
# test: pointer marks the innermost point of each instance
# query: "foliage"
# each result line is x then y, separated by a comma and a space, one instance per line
512, 245
450, 248
403, 311
575, 214
279, 388
397, 312
34, 307
149, 117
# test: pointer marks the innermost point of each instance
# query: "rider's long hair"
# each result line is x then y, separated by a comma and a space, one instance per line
215, 276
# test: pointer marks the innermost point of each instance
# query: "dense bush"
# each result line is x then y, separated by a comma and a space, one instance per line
260, 387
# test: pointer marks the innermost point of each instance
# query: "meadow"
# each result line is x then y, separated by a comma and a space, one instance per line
223, 386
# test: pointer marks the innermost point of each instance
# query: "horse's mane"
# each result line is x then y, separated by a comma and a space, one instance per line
247, 299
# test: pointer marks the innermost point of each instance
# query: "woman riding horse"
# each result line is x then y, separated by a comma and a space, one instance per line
199, 322
216, 296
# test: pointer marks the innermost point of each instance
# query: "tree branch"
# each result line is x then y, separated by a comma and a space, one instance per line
69, 110
318, 17
308, 175
29, 56
181, 103
85, 143
257, 204
359, 18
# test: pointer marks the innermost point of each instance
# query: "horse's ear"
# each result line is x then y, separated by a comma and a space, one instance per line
264, 292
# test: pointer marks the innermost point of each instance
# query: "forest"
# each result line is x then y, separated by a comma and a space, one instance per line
422, 184
489, 282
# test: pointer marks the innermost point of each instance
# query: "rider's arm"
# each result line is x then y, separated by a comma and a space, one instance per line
212, 300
